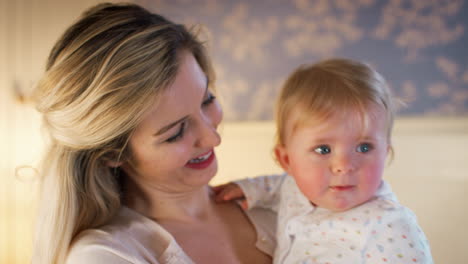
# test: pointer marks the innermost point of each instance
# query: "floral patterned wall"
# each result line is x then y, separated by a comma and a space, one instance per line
419, 46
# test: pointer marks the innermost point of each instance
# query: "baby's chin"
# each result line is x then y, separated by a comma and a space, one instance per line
340, 205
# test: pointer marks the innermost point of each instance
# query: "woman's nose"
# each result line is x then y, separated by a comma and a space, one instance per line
208, 135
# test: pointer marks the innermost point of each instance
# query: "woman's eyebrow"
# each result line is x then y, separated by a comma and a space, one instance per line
171, 125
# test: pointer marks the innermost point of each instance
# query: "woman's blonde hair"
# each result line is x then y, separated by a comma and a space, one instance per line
330, 87
101, 77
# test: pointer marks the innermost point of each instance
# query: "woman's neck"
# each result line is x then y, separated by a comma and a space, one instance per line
188, 206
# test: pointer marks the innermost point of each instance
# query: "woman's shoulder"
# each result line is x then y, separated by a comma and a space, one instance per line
96, 246
128, 238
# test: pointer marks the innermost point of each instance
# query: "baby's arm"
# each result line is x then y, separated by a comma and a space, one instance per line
261, 191
230, 191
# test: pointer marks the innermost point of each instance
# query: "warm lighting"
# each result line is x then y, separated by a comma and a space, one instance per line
20, 157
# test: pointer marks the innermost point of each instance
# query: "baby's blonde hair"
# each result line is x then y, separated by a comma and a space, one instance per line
330, 87
102, 75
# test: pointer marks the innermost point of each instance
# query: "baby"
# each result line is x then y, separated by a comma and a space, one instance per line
334, 123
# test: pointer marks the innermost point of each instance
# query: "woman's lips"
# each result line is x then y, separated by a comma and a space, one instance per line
201, 161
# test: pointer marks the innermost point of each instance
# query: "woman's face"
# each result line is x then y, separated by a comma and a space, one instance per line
173, 147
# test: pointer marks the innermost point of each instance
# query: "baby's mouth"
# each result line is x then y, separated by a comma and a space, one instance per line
341, 187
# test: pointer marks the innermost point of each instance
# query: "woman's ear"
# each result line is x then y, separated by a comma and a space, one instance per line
113, 164
113, 159
281, 155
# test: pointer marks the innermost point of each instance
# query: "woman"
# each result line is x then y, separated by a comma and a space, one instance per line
128, 101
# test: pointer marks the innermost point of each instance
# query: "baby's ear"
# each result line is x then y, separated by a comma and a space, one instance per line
281, 155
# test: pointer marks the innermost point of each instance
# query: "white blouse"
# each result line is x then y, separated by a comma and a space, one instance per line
133, 238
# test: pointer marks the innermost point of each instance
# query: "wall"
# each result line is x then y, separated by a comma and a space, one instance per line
255, 44
419, 46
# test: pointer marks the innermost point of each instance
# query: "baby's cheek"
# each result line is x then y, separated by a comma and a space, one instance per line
374, 177
310, 183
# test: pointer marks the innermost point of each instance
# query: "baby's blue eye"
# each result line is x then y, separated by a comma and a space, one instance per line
364, 147
324, 149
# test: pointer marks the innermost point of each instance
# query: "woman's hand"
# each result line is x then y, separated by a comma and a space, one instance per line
228, 192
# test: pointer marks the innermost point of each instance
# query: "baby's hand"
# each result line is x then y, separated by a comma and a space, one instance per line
228, 192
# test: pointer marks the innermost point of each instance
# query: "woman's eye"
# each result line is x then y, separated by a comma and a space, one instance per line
324, 149
178, 135
364, 147
210, 98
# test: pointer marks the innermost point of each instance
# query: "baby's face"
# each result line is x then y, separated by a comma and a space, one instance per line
338, 164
